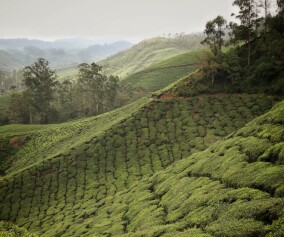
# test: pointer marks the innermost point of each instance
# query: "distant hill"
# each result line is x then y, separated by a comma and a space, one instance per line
96, 52
165, 72
147, 52
17, 53
139, 57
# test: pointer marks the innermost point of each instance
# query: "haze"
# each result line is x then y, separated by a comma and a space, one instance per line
124, 19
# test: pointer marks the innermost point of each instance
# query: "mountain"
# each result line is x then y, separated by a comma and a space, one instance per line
17, 53
71, 43
96, 52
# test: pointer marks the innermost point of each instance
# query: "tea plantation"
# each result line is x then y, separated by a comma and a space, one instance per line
120, 173
165, 72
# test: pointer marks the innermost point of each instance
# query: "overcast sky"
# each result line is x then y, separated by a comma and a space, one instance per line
117, 19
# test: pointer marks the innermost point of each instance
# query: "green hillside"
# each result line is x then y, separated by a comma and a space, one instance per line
233, 188
146, 53
165, 72
155, 76
144, 56
202, 156
80, 178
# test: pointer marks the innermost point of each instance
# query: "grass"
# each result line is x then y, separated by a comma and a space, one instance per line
163, 73
135, 171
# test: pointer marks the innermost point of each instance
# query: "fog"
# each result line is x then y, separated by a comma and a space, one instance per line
110, 19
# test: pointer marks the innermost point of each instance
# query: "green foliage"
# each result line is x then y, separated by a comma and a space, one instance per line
254, 61
5, 101
214, 32
10, 230
93, 176
40, 82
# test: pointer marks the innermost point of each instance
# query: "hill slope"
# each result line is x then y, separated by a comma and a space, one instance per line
148, 52
165, 72
65, 176
233, 188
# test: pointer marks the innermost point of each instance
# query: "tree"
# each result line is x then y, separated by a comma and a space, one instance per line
212, 62
91, 83
20, 108
112, 90
214, 32
265, 4
233, 66
249, 21
63, 102
280, 4
209, 65
40, 81
97, 91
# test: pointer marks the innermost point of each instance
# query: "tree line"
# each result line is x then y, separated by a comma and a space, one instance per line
10, 81
249, 53
43, 99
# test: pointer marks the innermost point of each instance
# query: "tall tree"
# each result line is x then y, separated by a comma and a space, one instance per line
215, 31
40, 81
248, 17
111, 91
91, 83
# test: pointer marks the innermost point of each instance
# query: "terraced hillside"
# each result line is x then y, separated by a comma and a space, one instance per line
145, 53
165, 72
233, 188
85, 177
